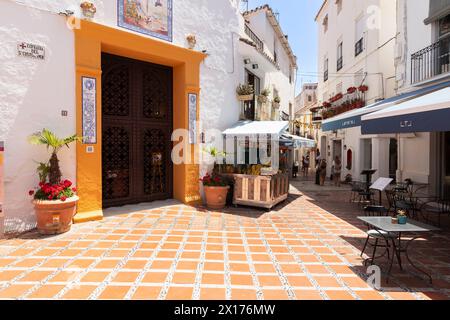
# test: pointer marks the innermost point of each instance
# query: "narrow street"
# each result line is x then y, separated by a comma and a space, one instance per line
306, 249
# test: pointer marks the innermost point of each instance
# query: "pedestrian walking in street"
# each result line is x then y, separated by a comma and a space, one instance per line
318, 158
295, 169
323, 171
337, 165
306, 166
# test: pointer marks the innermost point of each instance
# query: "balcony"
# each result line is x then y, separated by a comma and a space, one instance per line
340, 63
359, 47
259, 43
431, 61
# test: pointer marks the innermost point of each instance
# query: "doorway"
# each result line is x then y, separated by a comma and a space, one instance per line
366, 159
250, 106
337, 149
393, 158
446, 166
136, 131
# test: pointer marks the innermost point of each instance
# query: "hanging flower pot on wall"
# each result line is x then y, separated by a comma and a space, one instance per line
192, 41
88, 9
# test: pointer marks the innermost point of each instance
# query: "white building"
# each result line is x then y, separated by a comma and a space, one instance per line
269, 62
422, 60
356, 49
43, 89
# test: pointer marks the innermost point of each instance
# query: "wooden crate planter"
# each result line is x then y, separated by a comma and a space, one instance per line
260, 191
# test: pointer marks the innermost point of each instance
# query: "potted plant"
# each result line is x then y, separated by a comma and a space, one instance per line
264, 96
245, 92
402, 217
55, 199
88, 9
216, 191
276, 102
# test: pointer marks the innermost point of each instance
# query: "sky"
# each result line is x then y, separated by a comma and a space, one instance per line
297, 21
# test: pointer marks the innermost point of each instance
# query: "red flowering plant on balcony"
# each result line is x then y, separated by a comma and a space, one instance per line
351, 90
61, 191
363, 88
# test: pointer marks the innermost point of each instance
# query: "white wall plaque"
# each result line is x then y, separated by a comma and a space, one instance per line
89, 116
192, 118
30, 50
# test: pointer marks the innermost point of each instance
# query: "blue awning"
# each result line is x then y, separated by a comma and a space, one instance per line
353, 118
296, 141
427, 113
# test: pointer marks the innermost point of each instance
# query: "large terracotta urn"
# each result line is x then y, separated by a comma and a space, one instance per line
55, 216
216, 197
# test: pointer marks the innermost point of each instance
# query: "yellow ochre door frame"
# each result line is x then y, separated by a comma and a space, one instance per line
91, 40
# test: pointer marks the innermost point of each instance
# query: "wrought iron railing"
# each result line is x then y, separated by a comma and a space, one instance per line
431, 61
359, 47
254, 37
340, 63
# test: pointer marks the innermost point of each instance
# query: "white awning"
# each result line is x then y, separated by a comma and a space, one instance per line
257, 128
427, 113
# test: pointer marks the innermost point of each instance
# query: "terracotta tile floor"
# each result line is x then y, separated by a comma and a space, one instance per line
306, 249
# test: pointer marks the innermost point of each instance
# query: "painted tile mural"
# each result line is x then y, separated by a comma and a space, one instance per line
151, 17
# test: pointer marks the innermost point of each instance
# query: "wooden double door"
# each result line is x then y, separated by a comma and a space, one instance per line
137, 104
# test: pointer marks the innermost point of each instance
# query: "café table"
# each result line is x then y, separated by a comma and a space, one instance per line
399, 246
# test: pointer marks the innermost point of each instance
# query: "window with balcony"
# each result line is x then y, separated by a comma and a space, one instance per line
359, 35
325, 70
433, 60
340, 58
258, 42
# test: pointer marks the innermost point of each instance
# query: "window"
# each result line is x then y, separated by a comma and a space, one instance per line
325, 70
339, 6
444, 27
359, 35
309, 98
340, 59
325, 24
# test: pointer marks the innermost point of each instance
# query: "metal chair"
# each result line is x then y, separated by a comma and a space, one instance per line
377, 235
357, 187
436, 207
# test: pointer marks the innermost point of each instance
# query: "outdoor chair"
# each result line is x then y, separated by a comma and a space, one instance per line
379, 236
433, 208
357, 187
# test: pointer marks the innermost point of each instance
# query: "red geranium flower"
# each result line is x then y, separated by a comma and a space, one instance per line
31, 192
63, 198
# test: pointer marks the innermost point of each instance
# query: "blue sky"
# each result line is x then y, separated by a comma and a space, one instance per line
297, 21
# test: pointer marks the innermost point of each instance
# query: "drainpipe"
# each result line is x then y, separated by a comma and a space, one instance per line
399, 173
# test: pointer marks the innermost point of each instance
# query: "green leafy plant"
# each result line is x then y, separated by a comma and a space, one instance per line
53, 143
265, 92
245, 90
277, 99
43, 170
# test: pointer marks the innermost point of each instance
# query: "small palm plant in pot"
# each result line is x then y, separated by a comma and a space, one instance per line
264, 96
55, 199
245, 92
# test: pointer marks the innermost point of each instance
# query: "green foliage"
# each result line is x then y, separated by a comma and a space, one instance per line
51, 140
245, 90
43, 171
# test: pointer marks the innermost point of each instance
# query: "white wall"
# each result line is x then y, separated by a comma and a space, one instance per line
33, 93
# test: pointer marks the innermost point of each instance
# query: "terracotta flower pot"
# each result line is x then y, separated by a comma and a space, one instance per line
55, 217
216, 197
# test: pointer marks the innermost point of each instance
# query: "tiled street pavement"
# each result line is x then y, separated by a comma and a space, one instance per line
307, 248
